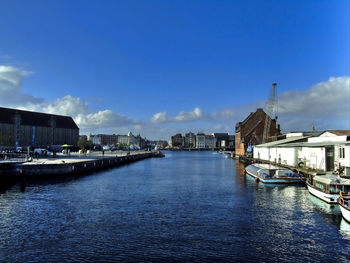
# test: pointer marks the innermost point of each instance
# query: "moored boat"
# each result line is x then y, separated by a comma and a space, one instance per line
273, 174
328, 187
344, 202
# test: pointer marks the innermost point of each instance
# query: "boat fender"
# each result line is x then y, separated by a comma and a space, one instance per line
257, 180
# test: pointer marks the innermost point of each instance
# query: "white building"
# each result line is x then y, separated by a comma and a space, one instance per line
128, 139
327, 152
200, 140
96, 139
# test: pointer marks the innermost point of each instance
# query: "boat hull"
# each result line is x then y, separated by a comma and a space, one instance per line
329, 198
345, 212
287, 180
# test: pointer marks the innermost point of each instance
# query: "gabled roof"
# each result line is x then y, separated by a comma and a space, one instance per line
36, 118
338, 132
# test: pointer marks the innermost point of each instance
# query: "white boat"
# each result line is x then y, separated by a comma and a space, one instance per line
273, 174
344, 202
328, 187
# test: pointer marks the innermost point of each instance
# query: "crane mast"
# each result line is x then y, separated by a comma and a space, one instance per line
271, 112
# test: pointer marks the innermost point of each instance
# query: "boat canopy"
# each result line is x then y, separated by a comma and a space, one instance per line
332, 179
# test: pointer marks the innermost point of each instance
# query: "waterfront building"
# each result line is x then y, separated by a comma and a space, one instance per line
329, 151
176, 141
103, 139
128, 139
160, 144
251, 131
19, 128
190, 140
210, 142
200, 140
221, 139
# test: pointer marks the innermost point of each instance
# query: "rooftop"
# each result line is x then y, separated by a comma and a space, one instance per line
38, 119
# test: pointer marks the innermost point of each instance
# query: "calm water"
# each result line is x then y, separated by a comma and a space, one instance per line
189, 206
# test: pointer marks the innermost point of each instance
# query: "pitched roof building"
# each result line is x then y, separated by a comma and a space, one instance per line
251, 131
26, 128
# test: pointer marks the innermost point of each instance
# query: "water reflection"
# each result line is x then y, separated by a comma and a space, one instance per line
344, 229
188, 206
323, 206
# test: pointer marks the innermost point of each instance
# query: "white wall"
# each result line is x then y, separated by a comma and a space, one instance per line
347, 156
313, 157
275, 154
261, 153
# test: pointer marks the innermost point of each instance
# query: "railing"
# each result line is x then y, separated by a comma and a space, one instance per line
13, 157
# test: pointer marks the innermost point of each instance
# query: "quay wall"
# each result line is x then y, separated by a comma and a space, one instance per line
76, 166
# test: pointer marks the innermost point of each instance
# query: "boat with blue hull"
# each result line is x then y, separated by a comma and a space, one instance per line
273, 174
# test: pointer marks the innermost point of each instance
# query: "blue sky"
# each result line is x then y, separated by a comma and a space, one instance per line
161, 67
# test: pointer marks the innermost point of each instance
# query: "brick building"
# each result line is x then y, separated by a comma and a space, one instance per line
177, 140
251, 131
26, 128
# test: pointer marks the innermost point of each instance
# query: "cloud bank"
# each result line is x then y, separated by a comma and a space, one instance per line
326, 105
12, 96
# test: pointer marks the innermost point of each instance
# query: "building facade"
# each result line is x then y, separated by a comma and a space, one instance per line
104, 139
190, 140
210, 141
200, 140
177, 140
25, 128
328, 151
251, 131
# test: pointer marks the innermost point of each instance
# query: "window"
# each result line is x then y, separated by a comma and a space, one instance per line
341, 152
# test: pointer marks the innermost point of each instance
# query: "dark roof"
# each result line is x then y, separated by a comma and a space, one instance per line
36, 118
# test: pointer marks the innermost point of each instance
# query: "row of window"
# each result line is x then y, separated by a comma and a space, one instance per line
341, 152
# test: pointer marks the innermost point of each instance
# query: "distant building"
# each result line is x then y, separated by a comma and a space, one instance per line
210, 141
128, 139
200, 140
177, 140
251, 131
104, 139
26, 128
190, 140
161, 144
221, 139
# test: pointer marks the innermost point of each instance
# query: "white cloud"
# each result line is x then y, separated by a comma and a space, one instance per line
11, 88
326, 99
183, 116
12, 96
325, 105
160, 117
194, 115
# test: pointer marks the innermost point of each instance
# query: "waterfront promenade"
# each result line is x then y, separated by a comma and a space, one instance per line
73, 163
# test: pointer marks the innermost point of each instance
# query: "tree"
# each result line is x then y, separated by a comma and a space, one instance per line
84, 144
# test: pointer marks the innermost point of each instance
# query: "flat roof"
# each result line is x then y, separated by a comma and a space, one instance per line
288, 141
315, 144
331, 179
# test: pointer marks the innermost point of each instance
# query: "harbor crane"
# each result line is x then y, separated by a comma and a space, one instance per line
271, 108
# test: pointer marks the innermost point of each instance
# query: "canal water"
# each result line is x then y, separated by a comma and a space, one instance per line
188, 206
